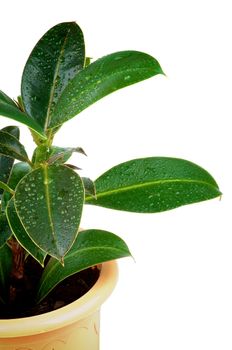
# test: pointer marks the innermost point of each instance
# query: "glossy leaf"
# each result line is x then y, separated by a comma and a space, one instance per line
152, 185
21, 235
49, 203
6, 163
55, 60
5, 231
5, 270
13, 130
19, 170
10, 110
99, 79
11, 147
90, 248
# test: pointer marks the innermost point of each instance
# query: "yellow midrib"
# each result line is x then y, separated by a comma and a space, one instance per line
147, 184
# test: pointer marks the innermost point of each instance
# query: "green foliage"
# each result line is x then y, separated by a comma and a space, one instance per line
56, 59
90, 248
6, 163
42, 198
10, 110
152, 185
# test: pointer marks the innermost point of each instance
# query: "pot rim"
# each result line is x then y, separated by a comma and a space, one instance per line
66, 315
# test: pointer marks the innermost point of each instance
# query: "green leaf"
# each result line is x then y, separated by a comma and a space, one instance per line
89, 187
21, 235
49, 203
11, 147
13, 130
5, 231
54, 154
152, 185
99, 79
5, 270
19, 170
6, 99
10, 110
90, 248
57, 57
6, 163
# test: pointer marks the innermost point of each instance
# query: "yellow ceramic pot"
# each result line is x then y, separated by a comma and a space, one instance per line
72, 327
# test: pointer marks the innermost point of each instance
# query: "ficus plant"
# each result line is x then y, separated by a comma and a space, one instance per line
42, 198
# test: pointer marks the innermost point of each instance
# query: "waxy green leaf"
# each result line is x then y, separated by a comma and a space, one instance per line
21, 235
5, 270
152, 185
55, 60
10, 110
13, 130
11, 147
6, 163
49, 203
5, 231
91, 247
100, 78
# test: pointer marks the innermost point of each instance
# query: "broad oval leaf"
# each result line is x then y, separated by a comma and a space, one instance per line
5, 231
11, 147
49, 203
21, 235
153, 184
100, 78
91, 247
10, 110
54, 61
5, 270
6, 163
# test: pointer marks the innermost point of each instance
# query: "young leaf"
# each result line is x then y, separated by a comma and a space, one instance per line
6, 163
152, 185
55, 60
5, 270
21, 235
11, 147
54, 154
90, 248
19, 170
5, 231
100, 78
49, 203
10, 110
89, 187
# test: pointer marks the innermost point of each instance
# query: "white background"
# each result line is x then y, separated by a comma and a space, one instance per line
178, 292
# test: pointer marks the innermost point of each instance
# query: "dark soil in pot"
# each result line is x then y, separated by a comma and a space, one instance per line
22, 292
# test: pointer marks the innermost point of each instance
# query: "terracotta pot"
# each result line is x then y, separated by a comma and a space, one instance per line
72, 327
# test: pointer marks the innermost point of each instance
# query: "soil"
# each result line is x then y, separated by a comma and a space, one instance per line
22, 292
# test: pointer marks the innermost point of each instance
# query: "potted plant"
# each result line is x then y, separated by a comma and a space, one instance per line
46, 260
